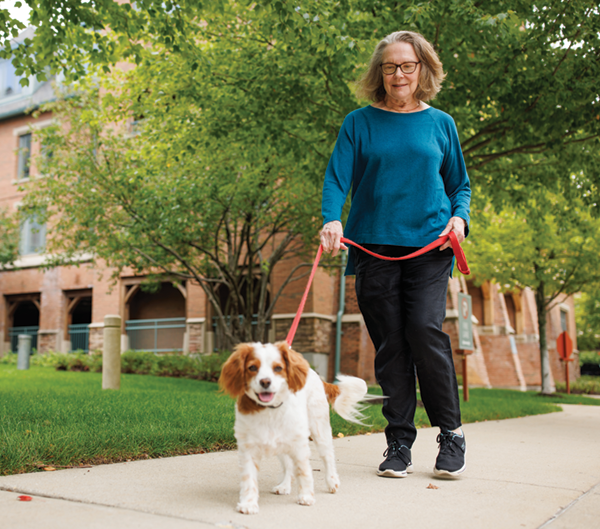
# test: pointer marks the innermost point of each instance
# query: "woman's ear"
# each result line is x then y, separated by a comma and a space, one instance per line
233, 373
296, 366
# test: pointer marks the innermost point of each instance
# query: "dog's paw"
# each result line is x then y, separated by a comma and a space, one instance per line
333, 483
248, 507
282, 489
306, 499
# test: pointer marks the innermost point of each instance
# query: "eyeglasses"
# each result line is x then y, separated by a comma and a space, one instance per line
389, 68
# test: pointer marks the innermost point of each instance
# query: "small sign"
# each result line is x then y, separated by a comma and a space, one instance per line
564, 344
465, 323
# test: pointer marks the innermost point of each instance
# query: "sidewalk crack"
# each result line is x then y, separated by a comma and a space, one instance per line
568, 507
223, 525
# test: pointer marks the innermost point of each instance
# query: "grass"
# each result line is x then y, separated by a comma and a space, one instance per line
57, 418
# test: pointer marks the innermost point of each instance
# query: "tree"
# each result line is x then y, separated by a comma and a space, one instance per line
168, 201
587, 315
9, 239
545, 241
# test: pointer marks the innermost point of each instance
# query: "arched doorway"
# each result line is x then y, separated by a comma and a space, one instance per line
155, 320
23, 317
79, 317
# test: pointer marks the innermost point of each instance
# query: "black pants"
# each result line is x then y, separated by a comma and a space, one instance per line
404, 305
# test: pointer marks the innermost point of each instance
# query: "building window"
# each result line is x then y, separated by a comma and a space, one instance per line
564, 320
24, 156
9, 80
511, 310
33, 237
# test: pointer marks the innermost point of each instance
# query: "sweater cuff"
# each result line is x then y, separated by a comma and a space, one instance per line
463, 214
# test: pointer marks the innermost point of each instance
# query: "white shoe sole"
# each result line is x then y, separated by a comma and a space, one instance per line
448, 473
389, 473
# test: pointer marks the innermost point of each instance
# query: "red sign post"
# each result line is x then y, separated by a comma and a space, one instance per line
564, 346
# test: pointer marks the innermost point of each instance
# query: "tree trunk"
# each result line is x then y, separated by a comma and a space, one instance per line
540, 301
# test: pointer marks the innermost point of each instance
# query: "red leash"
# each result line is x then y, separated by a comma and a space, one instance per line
461, 263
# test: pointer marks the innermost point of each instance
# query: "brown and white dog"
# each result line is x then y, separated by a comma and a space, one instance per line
281, 401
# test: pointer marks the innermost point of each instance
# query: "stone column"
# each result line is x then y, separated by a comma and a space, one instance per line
111, 356
24, 350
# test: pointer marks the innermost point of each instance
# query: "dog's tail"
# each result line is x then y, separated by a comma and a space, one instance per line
345, 397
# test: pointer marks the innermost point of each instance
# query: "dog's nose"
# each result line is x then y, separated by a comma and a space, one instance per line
265, 382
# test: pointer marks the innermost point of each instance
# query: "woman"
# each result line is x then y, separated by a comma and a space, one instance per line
403, 160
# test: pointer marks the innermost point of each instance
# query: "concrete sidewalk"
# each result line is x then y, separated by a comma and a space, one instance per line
533, 472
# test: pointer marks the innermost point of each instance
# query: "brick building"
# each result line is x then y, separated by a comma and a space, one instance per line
64, 308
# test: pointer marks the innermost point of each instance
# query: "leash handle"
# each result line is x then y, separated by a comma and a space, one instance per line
461, 262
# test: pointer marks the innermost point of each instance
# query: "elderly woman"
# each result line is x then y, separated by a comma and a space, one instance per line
403, 161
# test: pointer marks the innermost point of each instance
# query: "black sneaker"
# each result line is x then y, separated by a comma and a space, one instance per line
451, 458
397, 462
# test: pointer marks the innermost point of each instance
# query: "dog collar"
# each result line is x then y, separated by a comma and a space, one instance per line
275, 407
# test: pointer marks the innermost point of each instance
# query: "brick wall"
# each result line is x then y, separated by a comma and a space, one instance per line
499, 362
168, 302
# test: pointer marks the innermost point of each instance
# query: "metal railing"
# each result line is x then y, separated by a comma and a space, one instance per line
13, 334
160, 335
80, 336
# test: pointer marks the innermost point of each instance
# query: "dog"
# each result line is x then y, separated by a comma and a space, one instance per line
281, 402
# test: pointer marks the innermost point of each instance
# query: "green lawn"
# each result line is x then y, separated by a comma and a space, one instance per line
63, 418
59, 418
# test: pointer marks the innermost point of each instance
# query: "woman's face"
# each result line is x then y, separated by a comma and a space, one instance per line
400, 86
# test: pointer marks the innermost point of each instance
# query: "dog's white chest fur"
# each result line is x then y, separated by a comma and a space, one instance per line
275, 430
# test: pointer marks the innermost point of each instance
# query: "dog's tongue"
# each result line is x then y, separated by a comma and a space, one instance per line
265, 397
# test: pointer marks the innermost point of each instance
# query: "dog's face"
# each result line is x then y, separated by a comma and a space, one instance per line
263, 372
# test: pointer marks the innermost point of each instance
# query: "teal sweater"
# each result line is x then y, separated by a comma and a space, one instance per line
407, 174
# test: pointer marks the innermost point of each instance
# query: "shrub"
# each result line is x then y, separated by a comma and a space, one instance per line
589, 357
139, 362
199, 367
96, 362
50, 359
8, 359
211, 364
176, 366
583, 385
61, 362
79, 361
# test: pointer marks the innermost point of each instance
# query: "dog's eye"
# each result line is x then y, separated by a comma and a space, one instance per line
254, 369
278, 369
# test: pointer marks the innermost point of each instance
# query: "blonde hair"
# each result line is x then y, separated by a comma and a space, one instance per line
370, 85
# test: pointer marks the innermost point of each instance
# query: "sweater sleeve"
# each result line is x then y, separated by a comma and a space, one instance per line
456, 180
338, 177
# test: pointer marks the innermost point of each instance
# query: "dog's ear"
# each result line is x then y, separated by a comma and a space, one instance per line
297, 367
233, 372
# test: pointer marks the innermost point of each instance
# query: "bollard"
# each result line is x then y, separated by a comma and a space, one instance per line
24, 351
111, 355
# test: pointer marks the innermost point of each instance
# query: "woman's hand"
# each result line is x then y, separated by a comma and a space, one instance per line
457, 225
330, 235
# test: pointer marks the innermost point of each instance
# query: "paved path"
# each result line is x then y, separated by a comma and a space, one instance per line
532, 472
